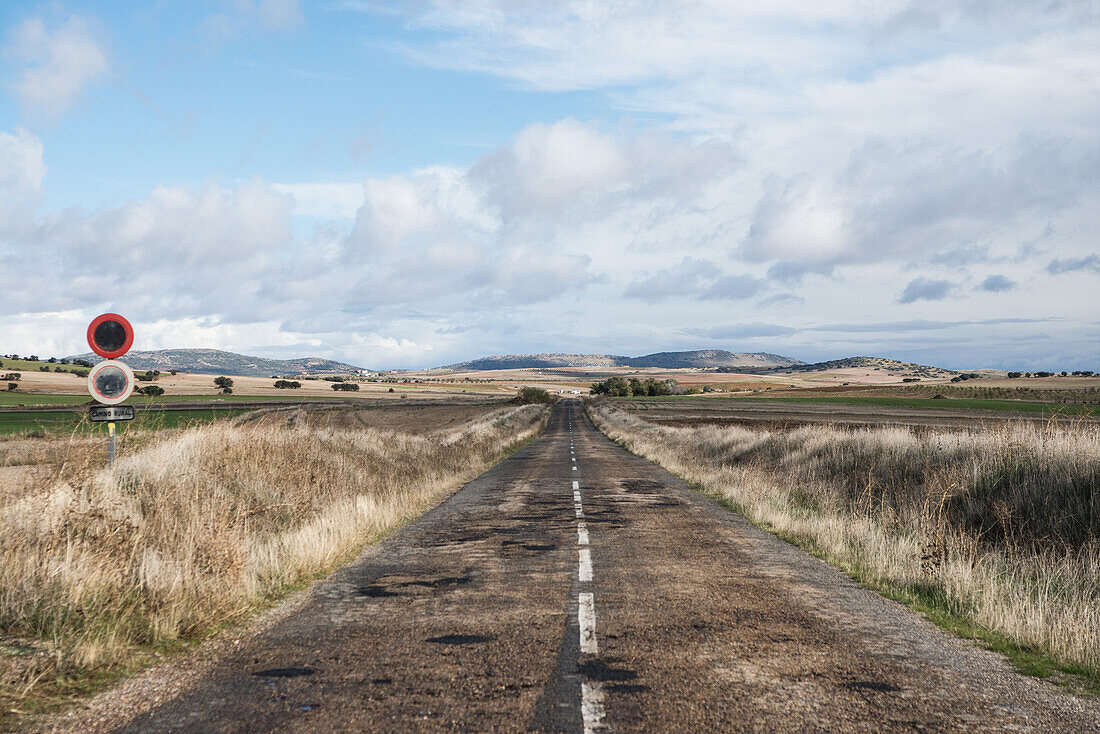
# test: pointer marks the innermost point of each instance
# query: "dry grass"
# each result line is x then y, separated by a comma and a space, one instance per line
999, 527
199, 527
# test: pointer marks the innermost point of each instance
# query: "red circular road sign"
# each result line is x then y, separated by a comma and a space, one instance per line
111, 382
110, 335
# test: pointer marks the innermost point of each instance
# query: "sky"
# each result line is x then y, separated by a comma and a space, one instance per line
407, 185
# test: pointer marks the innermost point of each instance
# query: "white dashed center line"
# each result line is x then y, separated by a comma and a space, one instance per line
585, 570
586, 616
592, 693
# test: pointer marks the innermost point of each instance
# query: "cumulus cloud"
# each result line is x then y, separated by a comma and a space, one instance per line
870, 134
21, 165
180, 251
926, 289
694, 278
57, 64
1060, 265
997, 284
830, 146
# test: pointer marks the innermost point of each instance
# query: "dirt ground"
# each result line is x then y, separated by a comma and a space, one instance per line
776, 414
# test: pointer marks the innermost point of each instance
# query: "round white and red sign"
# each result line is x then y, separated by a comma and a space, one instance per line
111, 382
110, 335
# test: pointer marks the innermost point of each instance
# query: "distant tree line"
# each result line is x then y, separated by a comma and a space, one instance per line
620, 387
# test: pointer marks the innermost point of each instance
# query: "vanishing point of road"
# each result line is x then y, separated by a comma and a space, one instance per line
578, 588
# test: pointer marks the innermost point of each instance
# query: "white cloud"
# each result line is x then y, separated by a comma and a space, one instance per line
238, 17
21, 166
786, 164
59, 64
324, 200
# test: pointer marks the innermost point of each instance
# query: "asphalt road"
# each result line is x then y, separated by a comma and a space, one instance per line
576, 587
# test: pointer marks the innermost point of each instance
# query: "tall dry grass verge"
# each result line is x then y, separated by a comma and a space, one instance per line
200, 527
998, 528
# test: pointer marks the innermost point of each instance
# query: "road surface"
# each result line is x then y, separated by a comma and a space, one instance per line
578, 588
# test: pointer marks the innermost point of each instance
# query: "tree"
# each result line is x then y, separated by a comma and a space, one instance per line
225, 383
350, 386
151, 390
657, 387
528, 395
227, 391
616, 387
287, 384
13, 386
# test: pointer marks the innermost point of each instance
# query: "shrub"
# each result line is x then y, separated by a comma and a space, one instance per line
223, 382
44, 368
151, 390
227, 391
287, 384
13, 376
13, 386
350, 386
533, 395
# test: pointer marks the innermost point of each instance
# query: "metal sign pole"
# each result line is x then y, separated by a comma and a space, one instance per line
111, 443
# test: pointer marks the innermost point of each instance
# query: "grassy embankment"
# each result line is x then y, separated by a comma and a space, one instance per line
99, 570
994, 534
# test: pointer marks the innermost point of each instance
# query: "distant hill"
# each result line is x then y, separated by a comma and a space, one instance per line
891, 365
217, 362
707, 358
702, 358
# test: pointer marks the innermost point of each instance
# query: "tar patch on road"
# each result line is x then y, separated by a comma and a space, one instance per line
284, 672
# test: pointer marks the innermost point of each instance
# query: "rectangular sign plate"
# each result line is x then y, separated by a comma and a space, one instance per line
103, 413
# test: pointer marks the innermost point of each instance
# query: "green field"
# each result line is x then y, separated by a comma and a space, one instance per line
26, 365
31, 399
66, 422
1004, 406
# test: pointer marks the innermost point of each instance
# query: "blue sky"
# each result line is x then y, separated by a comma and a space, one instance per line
407, 185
